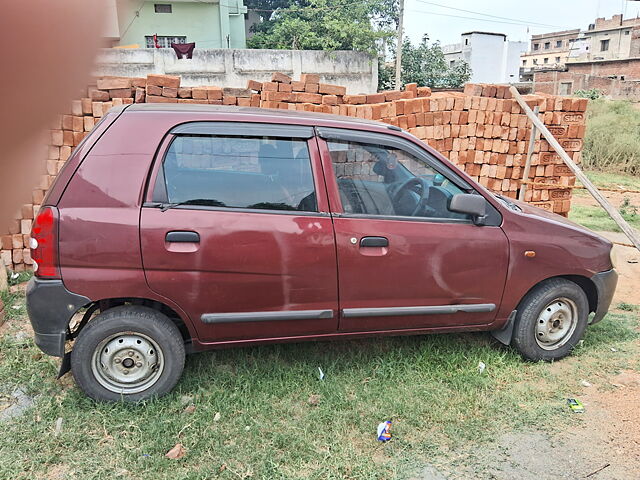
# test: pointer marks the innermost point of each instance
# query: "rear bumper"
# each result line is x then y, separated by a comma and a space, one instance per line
50, 307
605, 283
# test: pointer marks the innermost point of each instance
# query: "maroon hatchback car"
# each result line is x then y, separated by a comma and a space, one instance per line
180, 228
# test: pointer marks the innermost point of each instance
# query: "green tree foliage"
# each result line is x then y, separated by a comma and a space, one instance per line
425, 65
323, 24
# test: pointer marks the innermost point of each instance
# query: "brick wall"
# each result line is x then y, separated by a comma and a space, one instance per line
482, 130
605, 77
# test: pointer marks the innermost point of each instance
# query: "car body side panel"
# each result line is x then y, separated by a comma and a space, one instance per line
560, 250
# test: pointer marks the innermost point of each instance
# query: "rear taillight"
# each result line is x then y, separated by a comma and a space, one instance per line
44, 243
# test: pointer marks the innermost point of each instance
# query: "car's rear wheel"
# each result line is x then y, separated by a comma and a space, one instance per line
551, 320
128, 353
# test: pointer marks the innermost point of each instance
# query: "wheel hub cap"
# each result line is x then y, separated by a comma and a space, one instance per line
556, 323
127, 363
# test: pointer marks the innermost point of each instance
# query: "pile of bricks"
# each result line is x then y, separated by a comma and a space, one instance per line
482, 130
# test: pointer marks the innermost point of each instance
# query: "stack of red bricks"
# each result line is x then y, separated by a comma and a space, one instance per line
482, 130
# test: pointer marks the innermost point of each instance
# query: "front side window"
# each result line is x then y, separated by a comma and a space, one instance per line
604, 45
378, 180
270, 173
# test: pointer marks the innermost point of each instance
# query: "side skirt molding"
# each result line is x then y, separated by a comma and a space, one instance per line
266, 316
426, 310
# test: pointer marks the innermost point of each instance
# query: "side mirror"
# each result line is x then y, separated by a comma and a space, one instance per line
471, 204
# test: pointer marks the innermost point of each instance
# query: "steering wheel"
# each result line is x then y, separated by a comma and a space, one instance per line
415, 185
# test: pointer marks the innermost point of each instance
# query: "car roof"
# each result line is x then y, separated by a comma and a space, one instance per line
260, 114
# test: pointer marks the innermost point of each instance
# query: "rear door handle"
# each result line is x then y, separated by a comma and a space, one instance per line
182, 236
374, 242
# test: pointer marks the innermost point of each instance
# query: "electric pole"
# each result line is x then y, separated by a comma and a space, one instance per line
399, 48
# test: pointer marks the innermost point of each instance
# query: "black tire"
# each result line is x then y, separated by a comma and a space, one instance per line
532, 336
153, 338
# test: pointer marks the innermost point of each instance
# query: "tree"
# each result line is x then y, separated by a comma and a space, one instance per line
323, 24
425, 65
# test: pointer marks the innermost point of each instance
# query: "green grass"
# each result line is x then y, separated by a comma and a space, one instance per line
613, 180
612, 140
428, 385
597, 219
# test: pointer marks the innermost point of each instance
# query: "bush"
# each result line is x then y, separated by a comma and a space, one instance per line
612, 140
592, 94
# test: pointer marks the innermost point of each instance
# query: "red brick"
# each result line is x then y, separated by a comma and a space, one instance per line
184, 92
199, 93
331, 89
376, 98
113, 83
99, 96
169, 92
390, 95
163, 80
284, 87
309, 78
297, 86
139, 82
244, 102
280, 77
140, 95
311, 87
78, 124
237, 92
120, 93
86, 106
270, 87
254, 85
329, 100
157, 99
214, 93
229, 100
411, 87
354, 99
154, 90
307, 97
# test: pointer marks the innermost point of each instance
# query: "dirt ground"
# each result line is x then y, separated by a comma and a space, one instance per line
604, 443
628, 257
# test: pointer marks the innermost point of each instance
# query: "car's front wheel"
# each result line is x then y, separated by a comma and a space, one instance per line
551, 320
128, 353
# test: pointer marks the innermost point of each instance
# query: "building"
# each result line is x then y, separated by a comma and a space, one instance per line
609, 40
491, 57
548, 50
208, 23
605, 57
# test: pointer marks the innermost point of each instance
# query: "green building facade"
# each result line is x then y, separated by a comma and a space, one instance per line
208, 23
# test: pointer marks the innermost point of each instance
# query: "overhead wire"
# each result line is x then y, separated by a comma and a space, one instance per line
527, 22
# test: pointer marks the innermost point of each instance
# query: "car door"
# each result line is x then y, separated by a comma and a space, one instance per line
405, 260
236, 231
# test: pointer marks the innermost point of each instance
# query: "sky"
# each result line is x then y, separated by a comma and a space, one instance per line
440, 20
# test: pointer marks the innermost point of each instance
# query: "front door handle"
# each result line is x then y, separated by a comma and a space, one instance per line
182, 236
374, 242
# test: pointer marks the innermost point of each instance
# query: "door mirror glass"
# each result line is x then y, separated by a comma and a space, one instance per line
474, 205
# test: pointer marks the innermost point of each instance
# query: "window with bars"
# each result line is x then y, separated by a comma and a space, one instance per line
162, 8
164, 41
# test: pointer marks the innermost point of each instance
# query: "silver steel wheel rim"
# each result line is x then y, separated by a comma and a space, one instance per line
556, 323
127, 363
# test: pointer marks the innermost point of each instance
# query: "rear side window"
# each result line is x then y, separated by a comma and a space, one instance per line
272, 173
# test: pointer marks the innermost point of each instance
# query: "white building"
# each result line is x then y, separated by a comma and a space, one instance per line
491, 57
